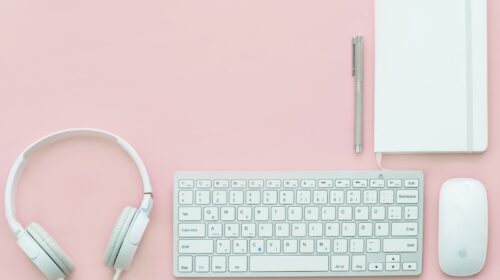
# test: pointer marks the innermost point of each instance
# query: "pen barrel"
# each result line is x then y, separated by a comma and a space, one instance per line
358, 117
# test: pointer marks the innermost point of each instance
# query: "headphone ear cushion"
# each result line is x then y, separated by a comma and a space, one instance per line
50, 246
118, 235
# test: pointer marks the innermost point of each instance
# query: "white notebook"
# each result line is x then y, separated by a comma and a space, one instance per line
430, 76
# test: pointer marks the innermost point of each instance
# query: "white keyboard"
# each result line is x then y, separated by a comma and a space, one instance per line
269, 224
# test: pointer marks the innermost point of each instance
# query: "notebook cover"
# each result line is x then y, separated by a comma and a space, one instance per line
430, 76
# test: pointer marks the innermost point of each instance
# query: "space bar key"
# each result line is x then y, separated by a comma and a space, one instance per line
288, 263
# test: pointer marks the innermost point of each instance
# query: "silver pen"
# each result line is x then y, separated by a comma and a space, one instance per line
357, 73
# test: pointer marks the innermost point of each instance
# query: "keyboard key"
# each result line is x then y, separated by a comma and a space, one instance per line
202, 197
404, 229
359, 183
336, 197
196, 246
407, 196
339, 245
256, 183
353, 196
237, 263
185, 197
185, 264
411, 183
357, 245
218, 264
332, 229
327, 213
290, 246
219, 197
308, 183
394, 212
270, 197
409, 266
325, 183
343, 183
291, 183
323, 246
394, 183
273, 246
400, 245
286, 197
381, 229
261, 213
191, 230
221, 184
365, 229
288, 263
214, 230
236, 197
375, 266
282, 230
372, 245
231, 230
320, 197
303, 197
361, 213
358, 262
370, 197
393, 258
273, 183
386, 196
340, 263
248, 230
377, 183
240, 246
186, 184
257, 246
345, 213
201, 264
265, 230
238, 184
227, 213
306, 246
311, 213
189, 213
392, 266
349, 229
378, 213
223, 246
411, 212
203, 184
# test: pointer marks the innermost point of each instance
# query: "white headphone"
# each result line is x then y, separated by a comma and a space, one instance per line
43, 250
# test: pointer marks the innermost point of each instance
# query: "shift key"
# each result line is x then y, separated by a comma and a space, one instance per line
400, 245
196, 246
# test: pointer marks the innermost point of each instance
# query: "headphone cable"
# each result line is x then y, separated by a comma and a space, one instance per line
118, 272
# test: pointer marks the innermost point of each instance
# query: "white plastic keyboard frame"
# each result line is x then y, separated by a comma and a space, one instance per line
332, 175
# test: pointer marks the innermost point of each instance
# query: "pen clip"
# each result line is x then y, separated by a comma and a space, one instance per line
354, 56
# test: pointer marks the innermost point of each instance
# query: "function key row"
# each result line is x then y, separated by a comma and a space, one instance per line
296, 183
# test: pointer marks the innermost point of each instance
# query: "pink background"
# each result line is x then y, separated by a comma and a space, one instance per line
193, 85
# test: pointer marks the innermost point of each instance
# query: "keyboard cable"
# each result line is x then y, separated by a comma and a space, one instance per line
378, 159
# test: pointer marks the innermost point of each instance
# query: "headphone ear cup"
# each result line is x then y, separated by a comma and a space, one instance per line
118, 236
50, 246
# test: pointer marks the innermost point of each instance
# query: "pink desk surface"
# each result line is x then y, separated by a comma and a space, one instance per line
193, 85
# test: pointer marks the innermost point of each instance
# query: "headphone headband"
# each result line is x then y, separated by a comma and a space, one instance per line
17, 169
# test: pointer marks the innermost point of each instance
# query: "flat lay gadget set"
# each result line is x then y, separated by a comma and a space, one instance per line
329, 223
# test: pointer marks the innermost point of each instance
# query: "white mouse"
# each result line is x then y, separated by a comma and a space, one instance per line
463, 227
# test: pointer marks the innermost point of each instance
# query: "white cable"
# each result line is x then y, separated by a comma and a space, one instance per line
378, 158
118, 272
